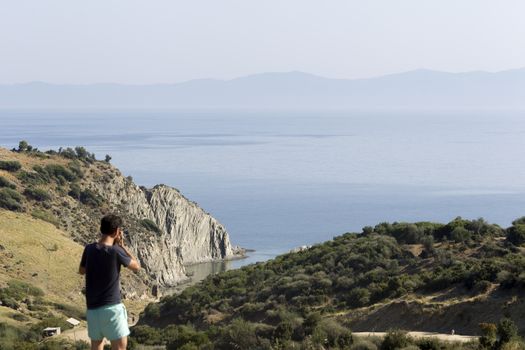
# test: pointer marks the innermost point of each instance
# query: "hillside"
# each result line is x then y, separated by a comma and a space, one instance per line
50, 207
423, 276
72, 190
294, 90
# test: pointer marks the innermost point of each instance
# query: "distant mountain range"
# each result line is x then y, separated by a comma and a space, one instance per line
295, 90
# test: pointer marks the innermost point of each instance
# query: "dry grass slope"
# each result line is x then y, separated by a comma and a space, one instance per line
37, 252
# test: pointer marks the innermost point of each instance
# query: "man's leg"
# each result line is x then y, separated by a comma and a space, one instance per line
119, 344
97, 344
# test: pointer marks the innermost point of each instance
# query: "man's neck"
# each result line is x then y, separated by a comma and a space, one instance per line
106, 240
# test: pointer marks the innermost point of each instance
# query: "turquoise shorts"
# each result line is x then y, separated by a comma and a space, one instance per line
110, 322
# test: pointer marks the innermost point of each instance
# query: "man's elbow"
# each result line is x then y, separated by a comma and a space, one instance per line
82, 270
134, 265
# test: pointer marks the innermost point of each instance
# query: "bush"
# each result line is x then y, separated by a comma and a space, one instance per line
37, 194
516, 234
488, 335
75, 191
33, 178
89, 197
506, 331
146, 335
19, 317
336, 335
6, 183
10, 199
358, 297
57, 171
10, 165
283, 331
185, 336
76, 168
45, 216
238, 335
150, 225
428, 344
18, 291
395, 340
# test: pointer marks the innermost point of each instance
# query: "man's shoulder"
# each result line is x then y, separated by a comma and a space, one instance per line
118, 249
90, 245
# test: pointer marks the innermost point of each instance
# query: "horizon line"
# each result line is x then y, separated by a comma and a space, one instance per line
35, 82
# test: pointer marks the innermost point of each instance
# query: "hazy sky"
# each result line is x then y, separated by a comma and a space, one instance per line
154, 41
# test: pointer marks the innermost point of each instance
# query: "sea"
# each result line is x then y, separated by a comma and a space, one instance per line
278, 180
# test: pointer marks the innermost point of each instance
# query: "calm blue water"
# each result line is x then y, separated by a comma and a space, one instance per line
278, 180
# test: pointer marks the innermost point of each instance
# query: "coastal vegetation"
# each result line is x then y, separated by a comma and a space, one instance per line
312, 299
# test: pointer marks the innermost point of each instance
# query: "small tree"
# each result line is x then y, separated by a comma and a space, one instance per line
22, 146
488, 335
506, 331
516, 234
108, 158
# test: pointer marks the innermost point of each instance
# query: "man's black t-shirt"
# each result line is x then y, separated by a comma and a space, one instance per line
102, 264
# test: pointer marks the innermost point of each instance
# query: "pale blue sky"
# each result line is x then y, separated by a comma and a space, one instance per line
163, 41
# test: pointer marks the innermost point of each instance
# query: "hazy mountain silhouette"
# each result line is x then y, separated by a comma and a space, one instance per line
413, 89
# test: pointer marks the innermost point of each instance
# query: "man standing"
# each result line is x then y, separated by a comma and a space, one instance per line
101, 261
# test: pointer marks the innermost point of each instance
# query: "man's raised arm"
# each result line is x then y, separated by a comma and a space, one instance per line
134, 265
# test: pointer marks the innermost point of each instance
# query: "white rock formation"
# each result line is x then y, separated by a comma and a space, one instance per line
188, 234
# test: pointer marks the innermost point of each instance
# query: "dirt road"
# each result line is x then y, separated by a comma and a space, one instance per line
419, 335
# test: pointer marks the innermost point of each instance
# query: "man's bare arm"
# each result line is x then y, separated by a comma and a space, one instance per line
81, 270
134, 265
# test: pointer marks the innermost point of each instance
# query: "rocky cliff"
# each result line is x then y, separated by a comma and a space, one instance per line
165, 230
187, 234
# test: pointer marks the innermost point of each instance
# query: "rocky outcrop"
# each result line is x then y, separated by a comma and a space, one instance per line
200, 236
186, 235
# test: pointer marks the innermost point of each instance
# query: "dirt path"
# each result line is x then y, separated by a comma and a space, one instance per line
419, 335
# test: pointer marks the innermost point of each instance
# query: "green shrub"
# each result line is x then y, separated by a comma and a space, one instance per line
488, 335
16, 338
358, 297
76, 168
395, 340
23, 146
283, 331
58, 171
89, 197
238, 335
516, 234
146, 335
75, 191
336, 335
152, 311
18, 291
428, 344
6, 183
33, 178
10, 165
37, 194
150, 225
19, 317
186, 336
45, 216
506, 331
10, 199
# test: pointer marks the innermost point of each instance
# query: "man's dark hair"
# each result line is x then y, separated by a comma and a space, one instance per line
110, 223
